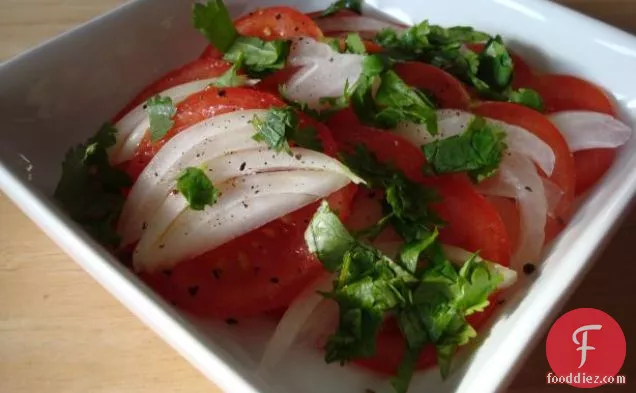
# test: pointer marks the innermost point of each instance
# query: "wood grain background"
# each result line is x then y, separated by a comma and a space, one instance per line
61, 332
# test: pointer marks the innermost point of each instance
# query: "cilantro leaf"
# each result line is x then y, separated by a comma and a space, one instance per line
260, 57
478, 151
90, 190
328, 238
354, 44
160, 110
476, 282
527, 97
352, 5
231, 78
213, 20
405, 371
275, 128
495, 65
197, 188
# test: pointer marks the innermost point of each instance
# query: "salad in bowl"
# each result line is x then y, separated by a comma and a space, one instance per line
375, 188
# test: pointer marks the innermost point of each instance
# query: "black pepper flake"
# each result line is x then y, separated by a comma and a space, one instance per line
231, 321
162, 246
173, 303
167, 272
529, 268
372, 194
245, 205
257, 269
528, 188
274, 280
278, 16
306, 221
560, 220
222, 93
193, 290
298, 156
242, 168
331, 60
296, 28
198, 155
216, 272
174, 191
500, 302
256, 192
156, 174
144, 226
145, 106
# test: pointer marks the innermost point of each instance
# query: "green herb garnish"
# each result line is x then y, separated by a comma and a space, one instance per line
197, 188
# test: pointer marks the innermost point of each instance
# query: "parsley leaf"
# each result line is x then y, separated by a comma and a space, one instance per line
213, 20
280, 126
352, 5
354, 44
231, 78
495, 65
260, 57
160, 110
197, 188
328, 238
478, 151
90, 190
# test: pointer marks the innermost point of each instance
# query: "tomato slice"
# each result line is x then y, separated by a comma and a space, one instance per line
523, 74
196, 70
565, 92
563, 174
270, 24
447, 90
472, 223
260, 271
198, 107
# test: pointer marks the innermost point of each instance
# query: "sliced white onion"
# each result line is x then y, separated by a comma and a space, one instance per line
323, 71
133, 126
459, 256
585, 130
518, 178
452, 122
176, 234
354, 24
553, 195
293, 322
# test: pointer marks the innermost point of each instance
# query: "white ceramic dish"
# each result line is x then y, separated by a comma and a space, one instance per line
59, 93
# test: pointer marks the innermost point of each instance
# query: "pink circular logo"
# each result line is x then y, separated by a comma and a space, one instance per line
585, 348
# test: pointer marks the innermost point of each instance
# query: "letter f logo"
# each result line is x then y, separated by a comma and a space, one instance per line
584, 347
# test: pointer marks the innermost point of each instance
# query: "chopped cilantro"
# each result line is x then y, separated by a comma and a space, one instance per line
495, 65
352, 5
160, 110
90, 189
231, 78
354, 44
213, 20
260, 57
430, 306
280, 126
527, 97
197, 188
478, 151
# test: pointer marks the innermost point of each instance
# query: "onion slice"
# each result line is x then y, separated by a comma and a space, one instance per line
518, 178
177, 233
354, 23
585, 130
453, 122
133, 126
323, 71
292, 324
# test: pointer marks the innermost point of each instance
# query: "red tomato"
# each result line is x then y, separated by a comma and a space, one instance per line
445, 88
196, 108
472, 223
533, 121
197, 70
272, 23
523, 74
564, 92
260, 271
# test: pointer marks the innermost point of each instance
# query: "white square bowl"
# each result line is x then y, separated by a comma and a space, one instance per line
59, 93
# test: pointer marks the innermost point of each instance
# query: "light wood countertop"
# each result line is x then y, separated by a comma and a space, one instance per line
61, 332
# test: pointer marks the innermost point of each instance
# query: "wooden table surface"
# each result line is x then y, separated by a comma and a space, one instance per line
61, 332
